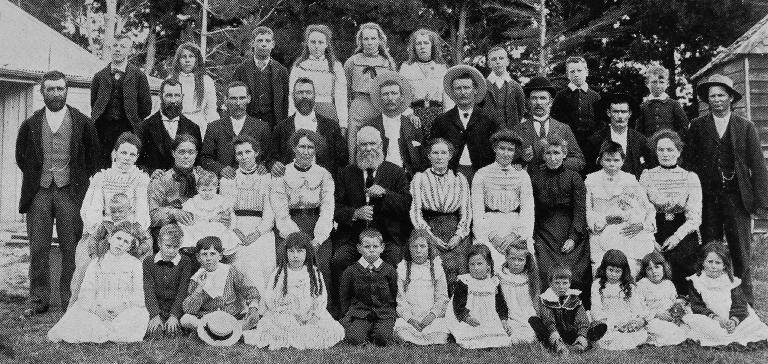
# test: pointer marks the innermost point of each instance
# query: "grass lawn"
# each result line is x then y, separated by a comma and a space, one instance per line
23, 341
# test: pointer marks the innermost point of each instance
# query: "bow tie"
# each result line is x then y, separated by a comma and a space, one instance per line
465, 115
165, 263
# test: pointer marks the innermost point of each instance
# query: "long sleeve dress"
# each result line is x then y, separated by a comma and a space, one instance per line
676, 195
115, 283
502, 203
517, 295
94, 211
249, 194
611, 307
441, 205
426, 79
482, 299
422, 296
658, 298
293, 197
205, 112
331, 98
280, 327
722, 297
619, 197
559, 198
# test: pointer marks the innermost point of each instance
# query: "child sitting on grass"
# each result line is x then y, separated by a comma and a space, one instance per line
519, 278
658, 294
110, 304
562, 320
422, 293
166, 278
367, 293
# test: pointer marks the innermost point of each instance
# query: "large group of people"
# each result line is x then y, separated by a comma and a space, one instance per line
422, 205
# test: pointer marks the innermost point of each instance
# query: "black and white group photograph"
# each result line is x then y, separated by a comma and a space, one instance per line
383, 181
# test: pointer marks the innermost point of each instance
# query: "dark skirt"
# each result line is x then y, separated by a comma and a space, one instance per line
444, 226
684, 258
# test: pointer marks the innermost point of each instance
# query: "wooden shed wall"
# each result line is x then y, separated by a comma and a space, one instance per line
15, 107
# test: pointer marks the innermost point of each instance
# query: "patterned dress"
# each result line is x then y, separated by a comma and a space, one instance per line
280, 326
115, 283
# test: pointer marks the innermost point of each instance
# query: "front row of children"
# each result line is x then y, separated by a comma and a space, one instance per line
120, 300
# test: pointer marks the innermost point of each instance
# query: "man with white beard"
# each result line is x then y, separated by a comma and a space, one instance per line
370, 193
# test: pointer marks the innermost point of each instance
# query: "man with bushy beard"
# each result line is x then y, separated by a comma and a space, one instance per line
218, 153
159, 130
372, 193
332, 157
57, 151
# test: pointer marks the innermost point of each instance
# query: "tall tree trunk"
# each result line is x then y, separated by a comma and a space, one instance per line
149, 63
461, 34
109, 28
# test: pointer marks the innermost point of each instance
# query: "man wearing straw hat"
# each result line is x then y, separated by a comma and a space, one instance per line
467, 128
391, 95
724, 150
540, 124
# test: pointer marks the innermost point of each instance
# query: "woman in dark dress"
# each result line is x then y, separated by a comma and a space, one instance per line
560, 230
676, 194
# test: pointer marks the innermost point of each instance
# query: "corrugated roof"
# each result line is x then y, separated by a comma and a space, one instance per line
754, 41
29, 48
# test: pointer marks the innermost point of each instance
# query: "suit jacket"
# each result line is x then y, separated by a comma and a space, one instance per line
700, 156
363, 294
218, 150
245, 73
574, 160
390, 212
579, 111
411, 144
137, 98
332, 157
476, 136
507, 110
638, 155
83, 151
156, 144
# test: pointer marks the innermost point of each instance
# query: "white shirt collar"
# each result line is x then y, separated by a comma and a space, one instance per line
365, 263
537, 124
175, 260
120, 68
55, 118
661, 97
724, 119
721, 124
237, 124
391, 126
620, 138
301, 118
499, 80
573, 87
213, 283
266, 63
166, 119
468, 113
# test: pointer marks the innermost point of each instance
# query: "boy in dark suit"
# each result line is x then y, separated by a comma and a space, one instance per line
368, 292
658, 110
166, 278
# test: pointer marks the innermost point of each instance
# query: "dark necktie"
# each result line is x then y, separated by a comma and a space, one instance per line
368, 178
542, 130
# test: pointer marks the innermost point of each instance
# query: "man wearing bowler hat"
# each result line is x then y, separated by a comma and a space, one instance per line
466, 127
391, 94
534, 129
724, 150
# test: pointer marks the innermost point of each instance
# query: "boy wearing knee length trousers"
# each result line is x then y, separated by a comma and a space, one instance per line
367, 291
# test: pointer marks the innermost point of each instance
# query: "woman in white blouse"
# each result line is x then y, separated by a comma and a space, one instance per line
502, 200
254, 221
676, 195
425, 70
302, 199
200, 101
318, 63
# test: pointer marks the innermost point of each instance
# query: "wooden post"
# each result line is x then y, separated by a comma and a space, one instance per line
543, 38
204, 30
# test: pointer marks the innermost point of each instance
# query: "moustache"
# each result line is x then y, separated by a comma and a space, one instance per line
171, 110
55, 103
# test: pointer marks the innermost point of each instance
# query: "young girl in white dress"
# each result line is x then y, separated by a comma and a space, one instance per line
110, 304
422, 293
295, 302
519, 278
208, 207
616, 303
658, 294
721, 314
479, 309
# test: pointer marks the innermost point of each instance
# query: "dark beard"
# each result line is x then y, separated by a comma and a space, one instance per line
55, 103
305, 105
171, 110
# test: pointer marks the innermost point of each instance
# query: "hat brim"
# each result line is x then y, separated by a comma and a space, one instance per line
237, 333
527, 90
405, 89
703, 91
456, 71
